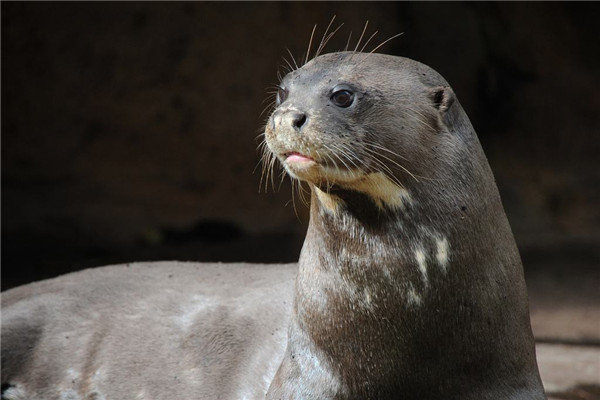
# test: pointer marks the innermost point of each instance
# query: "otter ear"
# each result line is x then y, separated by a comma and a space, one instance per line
442, 97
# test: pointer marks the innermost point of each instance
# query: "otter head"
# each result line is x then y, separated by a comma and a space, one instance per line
360, 122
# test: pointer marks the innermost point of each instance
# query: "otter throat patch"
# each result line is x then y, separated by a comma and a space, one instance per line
383, 191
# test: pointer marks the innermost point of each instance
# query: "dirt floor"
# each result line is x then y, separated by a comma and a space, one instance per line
565, 316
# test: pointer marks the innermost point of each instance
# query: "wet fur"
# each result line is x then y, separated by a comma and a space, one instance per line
147, 331
377, 310
375, 314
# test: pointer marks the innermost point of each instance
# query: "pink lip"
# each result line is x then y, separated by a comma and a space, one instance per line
297, 157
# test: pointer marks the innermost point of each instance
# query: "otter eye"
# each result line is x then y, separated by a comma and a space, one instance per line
282, 94
342, 98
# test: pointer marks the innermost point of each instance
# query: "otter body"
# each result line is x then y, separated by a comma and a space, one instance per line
409, 283
165, 330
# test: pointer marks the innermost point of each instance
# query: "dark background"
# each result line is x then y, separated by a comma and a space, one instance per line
129, 129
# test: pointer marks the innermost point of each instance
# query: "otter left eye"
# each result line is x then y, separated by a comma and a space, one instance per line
342, 98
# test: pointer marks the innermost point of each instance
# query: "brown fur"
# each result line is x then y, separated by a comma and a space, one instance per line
377, 314
409, 283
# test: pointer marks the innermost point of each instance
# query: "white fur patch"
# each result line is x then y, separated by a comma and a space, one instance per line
413, 297
383, 191
367, 299
377, 186
443, 253
421, 263
329, 202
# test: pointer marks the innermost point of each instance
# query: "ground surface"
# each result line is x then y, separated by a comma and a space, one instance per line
565, 317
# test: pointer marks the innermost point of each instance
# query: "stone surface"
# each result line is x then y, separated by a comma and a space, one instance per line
570, 371
565, 302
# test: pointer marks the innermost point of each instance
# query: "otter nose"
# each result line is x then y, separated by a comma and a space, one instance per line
298, 119
291, 117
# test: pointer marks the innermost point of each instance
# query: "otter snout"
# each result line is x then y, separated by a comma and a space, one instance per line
289, 117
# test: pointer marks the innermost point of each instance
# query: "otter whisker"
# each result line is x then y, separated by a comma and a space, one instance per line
293, 200
260, 163
381, 166
273, 87
297, 187
323, 37
270, 96
375, 153
322, 46
351, 155
335, 151
268, 160
379, 147
289, 65
325, 33
348, 42
385, 41
348, 155
271, 171
387, 171
261, 148
349, 171
282, 176
312, 34
328, 185
368, 40
361, 36
269, 106
269, 165
331, 161
302, 192
423, 118
293, 59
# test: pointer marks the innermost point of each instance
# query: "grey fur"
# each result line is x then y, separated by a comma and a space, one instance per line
147, 331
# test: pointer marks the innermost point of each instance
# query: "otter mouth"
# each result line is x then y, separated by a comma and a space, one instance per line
296, 157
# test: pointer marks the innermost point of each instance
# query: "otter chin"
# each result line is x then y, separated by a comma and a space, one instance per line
300, 166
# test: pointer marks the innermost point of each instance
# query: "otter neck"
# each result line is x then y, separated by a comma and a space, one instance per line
359, 266
354, 242
367, 275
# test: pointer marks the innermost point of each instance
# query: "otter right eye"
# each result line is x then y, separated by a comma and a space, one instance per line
282, 94
342, 98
